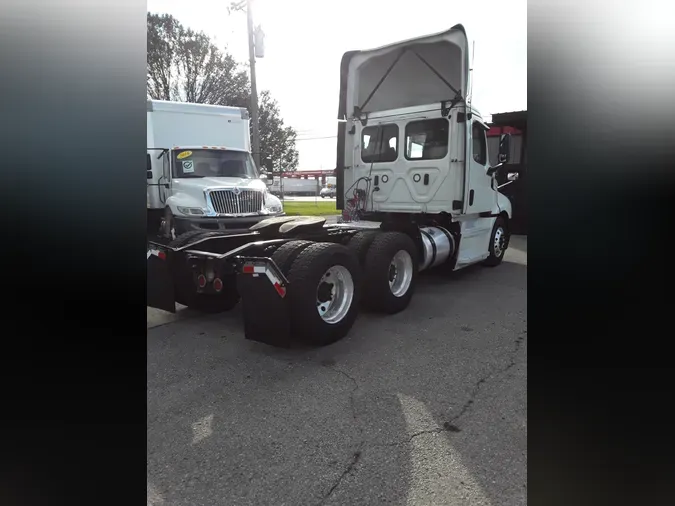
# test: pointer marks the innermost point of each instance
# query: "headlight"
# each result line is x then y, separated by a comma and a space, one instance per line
191, 210
272, 204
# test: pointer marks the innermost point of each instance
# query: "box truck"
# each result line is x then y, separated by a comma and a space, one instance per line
299, 186
200, 172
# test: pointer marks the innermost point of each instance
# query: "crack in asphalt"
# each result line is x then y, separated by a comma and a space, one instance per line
348, 469
448, 426
352, 401
357, 453
477, 387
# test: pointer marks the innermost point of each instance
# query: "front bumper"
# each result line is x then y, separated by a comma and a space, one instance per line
206, 223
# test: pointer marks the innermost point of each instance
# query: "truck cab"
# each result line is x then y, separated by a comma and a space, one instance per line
420, 160
412, 147
210, 185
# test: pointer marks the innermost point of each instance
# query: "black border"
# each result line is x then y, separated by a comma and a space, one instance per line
600, 190
74, 364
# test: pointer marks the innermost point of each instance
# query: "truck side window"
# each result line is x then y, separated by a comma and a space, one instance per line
479, 143
427, 139
379, 143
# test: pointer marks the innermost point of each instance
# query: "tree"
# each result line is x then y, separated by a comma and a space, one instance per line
277, 142
186, 66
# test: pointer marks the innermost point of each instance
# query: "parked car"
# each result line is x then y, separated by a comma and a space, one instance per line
327, 192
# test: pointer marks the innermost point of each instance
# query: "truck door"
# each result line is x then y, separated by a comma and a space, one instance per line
481, 195
152, 186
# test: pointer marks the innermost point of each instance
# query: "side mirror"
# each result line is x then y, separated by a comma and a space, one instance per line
267, 178
504, 148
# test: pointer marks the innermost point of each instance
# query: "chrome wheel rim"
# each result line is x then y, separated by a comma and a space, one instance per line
499, 242
400, 273
335, 294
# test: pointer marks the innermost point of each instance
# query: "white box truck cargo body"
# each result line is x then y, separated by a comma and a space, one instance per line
296, 186
200, 173
184, 124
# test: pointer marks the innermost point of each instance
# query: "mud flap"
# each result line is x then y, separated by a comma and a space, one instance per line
265, 307
160, 291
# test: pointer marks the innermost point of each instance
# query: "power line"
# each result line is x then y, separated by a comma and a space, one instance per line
317, 138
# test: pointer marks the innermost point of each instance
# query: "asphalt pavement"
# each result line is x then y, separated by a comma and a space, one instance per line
426, 407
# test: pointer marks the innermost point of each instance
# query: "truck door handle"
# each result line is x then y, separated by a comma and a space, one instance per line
166, 185
471, 198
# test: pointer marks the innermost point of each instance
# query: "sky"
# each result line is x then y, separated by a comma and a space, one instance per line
305, 41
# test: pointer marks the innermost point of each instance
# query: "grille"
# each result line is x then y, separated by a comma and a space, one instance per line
226, 202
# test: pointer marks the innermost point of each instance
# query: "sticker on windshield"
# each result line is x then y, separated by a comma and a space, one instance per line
184, 154
188, 166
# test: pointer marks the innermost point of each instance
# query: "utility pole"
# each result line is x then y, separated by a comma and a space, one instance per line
255, 134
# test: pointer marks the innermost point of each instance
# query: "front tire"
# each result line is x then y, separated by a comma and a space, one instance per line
168, 226
499, 242
391, 268
324, 292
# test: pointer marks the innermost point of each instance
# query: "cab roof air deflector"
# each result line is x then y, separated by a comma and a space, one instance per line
410, 73
358, 110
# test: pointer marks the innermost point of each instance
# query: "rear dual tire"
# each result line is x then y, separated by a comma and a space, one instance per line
286, 254
390, 265
324, 289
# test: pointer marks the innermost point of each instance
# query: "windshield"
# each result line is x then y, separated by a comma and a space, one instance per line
213, 163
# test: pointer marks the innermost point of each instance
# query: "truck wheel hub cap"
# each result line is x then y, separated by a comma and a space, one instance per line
400, 273
335, 294
325, 292
500, 239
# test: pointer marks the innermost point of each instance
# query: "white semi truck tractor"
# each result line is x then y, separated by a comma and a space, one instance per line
200, 172
416, 190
